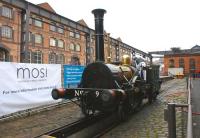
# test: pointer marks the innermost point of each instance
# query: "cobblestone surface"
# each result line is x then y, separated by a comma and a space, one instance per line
149, 122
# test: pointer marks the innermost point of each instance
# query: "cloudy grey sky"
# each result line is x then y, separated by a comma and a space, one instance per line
148, 25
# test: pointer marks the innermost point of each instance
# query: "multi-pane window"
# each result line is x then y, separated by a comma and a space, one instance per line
77, 35
6, 31
61, 30
192, 64
30, 36
61, 43
75, 61
60, 59
71, 34
28, 56
53, 27
90, 50
78, 48
181, 63
2, 55
171, 63
6, 12
38, 22
72, 47
38, 38
52, 58
30, 20
52, 42
37, 57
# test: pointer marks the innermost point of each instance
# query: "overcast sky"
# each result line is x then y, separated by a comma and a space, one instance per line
148, 25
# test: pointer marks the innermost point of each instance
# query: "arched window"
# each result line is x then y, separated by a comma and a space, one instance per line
72, 47
78, 48
181, 63
192, 64
75, 60
171, 63
52, 58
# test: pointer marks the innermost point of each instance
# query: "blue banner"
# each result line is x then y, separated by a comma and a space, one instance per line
72, 75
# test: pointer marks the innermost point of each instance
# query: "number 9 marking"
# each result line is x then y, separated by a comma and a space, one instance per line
97, 93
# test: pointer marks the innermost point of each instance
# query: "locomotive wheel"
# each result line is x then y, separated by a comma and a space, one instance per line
152, 97
138, 104
155, 96
87, 112
121, 113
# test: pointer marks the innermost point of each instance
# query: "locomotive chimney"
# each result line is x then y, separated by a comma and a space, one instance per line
99, 36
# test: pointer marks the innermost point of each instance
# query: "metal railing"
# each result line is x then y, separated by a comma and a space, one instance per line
170, 114
189, 124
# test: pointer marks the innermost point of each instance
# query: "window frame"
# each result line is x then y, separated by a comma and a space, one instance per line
60, 59
52, 27
37, 57
52, 58
171, 63
52, 42
7, 15
7, 32
192, 64
59, 42
70, 47
36, 40
78, 46
59, 29
38, 20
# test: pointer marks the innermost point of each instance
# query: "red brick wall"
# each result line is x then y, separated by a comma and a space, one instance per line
186, 62
12, 45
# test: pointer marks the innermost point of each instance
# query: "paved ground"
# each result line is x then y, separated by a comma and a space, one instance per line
195, 107
39, 123
147, 123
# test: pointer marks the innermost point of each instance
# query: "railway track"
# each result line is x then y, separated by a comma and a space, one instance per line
93, 126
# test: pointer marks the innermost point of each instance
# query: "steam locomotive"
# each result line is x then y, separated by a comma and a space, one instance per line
112, 87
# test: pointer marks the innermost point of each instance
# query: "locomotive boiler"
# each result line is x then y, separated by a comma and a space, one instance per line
112, 87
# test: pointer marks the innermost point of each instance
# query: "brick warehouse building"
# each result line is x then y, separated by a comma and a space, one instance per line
37, 34
188, 59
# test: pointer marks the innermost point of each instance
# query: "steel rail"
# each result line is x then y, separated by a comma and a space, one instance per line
69, 129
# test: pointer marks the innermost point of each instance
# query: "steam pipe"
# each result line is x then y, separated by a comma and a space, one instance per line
99, 36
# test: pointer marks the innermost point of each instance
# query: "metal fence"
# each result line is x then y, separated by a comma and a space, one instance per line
170, 115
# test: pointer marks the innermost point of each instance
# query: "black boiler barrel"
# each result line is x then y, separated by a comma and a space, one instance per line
99, 36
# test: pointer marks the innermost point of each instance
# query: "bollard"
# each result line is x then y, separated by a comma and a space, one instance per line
171, 120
